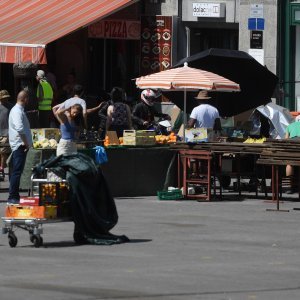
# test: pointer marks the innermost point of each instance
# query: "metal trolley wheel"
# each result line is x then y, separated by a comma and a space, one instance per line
12, 240
37, 240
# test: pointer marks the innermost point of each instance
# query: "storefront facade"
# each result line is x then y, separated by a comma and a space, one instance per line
199, 24
64, 43
116, 55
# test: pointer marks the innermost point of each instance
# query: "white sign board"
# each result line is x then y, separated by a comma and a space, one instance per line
256, 11
258, 54
211, 10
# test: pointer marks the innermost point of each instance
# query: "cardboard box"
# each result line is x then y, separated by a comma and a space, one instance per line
138, 141
196, 135
139, 137
113, 138
139, 133
50, 212
40, 134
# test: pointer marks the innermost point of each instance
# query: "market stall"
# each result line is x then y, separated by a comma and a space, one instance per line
131, 170
143, 163
221, 160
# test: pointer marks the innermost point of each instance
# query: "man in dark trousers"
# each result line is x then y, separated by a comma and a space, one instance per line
20, 140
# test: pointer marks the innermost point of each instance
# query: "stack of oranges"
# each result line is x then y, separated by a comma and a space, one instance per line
172, 138
106, 141
166, 139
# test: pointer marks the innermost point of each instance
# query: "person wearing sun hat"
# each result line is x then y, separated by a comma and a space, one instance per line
5, 107
204, 115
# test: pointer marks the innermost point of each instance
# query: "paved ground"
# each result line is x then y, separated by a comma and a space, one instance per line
179, 250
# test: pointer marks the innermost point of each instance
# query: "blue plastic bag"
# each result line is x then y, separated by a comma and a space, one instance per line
100, 155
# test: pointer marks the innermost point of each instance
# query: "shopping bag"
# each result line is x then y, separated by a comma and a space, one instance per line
100, 155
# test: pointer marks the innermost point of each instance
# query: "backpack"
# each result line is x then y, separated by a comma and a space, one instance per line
119, 115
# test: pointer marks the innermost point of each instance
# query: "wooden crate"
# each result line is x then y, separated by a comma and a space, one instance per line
139, 133
138, 141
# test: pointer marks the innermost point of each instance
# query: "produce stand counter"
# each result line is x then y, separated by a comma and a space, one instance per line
144, 170
277, 155
130, 171
243, 156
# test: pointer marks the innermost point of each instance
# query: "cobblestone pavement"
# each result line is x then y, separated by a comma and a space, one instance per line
178, 250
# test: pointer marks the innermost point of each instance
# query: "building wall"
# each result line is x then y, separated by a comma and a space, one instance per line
164, 8
269, 33
297, 68
230, 8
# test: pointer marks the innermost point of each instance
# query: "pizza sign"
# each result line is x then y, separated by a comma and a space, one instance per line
115, 29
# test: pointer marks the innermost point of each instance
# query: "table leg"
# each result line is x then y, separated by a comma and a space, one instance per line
275, 189
184, 176
178, 170
209, 180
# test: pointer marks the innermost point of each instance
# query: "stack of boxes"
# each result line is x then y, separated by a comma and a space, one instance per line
40, 134
139, 137
52, 202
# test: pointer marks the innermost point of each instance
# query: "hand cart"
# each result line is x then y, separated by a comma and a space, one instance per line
33, 225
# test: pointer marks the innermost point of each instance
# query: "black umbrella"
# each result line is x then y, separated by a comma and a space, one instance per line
256, 81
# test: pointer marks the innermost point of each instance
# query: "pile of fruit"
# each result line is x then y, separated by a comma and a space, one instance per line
166, 139
159, 139
255, 141
45, 143
107, 142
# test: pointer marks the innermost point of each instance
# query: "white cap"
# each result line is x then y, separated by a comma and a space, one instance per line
40, 74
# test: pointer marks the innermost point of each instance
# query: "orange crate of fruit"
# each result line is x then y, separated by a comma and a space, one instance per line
24, 212
31, 212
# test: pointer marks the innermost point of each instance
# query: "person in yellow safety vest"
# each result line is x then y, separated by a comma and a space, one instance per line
45, 97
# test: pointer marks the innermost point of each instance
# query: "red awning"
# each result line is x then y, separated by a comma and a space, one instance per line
27, 26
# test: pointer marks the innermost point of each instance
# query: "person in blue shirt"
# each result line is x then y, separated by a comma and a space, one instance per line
69, 120
20, 140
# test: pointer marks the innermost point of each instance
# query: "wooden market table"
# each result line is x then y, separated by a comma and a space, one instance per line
279, 154
202, 178
215, 153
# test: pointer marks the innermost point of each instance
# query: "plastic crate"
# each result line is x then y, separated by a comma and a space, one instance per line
170, 195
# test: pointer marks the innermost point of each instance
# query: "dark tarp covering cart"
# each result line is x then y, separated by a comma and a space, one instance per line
93, 207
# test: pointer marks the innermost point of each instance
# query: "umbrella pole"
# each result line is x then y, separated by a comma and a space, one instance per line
184, 114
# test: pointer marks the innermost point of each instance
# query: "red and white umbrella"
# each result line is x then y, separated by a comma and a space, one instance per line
185, 79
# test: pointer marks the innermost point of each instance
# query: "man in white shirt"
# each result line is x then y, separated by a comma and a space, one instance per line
20, 140
204, 115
